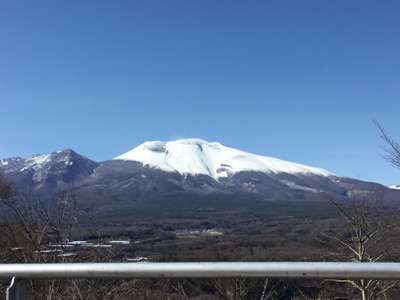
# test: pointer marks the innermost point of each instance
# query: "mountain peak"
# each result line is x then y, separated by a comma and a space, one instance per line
67, 157
196, 156
48, 170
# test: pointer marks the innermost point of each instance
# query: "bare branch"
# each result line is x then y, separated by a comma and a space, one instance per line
392, 148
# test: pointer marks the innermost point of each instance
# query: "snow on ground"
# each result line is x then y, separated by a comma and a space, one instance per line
119, 242
198, 232
139, 259
196, 156
78, 243
395, 187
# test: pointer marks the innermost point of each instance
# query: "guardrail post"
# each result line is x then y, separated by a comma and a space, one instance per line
18, 290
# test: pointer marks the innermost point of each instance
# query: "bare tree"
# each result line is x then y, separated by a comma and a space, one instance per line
35, 230
30, 225
367, 230
392, 147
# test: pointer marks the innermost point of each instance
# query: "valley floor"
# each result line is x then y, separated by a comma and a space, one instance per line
262, 231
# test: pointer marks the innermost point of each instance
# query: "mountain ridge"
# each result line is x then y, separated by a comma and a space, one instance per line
117, 183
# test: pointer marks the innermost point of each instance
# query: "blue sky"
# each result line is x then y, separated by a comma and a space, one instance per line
299, 80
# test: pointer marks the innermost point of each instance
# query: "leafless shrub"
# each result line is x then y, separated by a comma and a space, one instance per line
34, 230
367, 231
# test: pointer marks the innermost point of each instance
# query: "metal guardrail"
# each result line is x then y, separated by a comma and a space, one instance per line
202, 270
323, 270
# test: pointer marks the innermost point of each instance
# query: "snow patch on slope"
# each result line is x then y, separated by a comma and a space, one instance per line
40, 159
3, 162
395, 187
295, 186
196, 156
36, 162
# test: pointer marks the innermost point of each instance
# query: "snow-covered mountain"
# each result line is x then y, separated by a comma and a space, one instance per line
182, 170
199, 157
47, 171
395, 187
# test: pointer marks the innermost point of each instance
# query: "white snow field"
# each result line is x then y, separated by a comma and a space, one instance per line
196, 156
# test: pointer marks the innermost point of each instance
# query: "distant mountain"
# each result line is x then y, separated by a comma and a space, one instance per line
49, 172
395, 187
183, 169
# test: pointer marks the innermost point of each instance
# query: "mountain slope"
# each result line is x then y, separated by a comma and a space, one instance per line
195, 156
183, 170
48, 172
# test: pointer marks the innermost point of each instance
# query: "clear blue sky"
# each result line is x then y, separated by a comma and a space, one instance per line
299, 80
